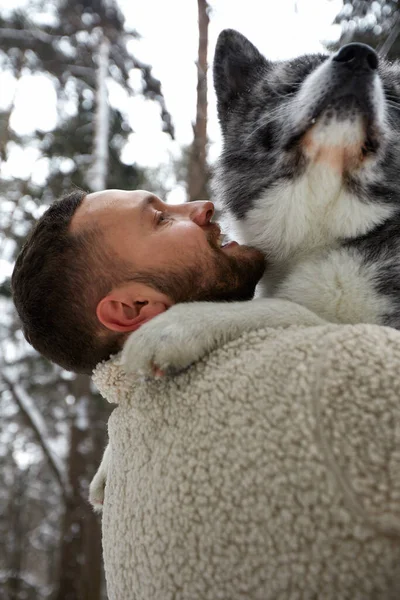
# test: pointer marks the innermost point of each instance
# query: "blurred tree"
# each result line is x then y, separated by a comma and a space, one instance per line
198, 171
374, 23
54, 423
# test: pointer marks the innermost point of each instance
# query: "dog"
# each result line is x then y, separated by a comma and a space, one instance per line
310, 174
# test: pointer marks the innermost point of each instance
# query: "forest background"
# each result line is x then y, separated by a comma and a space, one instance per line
108, 94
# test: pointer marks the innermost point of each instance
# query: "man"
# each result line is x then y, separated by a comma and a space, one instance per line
268, 470
98, 266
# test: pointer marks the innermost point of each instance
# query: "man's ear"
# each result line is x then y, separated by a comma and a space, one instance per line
128, 307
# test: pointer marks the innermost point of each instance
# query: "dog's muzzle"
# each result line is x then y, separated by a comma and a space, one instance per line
344, 98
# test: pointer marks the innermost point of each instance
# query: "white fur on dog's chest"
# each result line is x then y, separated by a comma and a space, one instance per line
301, 234
291, 219
335, 284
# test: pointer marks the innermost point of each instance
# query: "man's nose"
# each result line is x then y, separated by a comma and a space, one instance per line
201, 212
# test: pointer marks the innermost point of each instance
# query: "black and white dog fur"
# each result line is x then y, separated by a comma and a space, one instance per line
310, 174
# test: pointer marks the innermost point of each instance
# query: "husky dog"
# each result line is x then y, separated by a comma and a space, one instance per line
309, 174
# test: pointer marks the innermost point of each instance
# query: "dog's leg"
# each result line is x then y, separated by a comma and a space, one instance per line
186, 332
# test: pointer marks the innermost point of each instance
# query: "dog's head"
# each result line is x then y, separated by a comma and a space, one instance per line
280, 120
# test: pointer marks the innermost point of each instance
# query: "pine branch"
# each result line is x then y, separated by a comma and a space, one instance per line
23, 34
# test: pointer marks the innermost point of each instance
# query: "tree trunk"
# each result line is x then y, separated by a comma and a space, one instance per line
198, 173
17, 534
80, 569
98, 175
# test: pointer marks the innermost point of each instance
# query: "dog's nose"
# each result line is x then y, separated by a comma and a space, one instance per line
357, 56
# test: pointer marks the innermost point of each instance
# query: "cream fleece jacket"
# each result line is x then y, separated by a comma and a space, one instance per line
268, 470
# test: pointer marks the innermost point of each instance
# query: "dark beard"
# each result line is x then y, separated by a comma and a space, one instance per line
236, 280
223, 277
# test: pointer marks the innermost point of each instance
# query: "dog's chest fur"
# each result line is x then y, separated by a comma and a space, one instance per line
290, 219
303, 236
307, 264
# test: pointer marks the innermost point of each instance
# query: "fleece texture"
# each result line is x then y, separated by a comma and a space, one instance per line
268, 470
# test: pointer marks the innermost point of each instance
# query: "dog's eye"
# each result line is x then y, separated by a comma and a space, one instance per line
297, 71
267, 136
290, 88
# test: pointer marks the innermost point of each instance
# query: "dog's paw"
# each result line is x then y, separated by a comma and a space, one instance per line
98, 483
167, 344
96, 492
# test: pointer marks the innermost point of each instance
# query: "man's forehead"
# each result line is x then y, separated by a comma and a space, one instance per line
98, 205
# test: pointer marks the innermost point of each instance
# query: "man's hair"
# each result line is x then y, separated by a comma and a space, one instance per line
58, 279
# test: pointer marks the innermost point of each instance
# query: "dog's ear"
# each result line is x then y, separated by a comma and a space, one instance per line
237, 64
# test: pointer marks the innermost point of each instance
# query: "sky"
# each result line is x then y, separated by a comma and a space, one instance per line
279, 28
169, 38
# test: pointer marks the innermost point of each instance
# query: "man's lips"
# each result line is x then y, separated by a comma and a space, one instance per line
215, 237
230, 245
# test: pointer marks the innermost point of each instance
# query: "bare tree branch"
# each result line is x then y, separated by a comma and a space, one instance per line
38, 427
392, 37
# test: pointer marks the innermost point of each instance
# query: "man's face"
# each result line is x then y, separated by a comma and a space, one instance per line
177, 240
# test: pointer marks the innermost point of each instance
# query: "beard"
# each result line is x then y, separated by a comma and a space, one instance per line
227, 276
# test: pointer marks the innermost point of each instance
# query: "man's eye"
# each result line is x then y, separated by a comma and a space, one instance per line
161, 217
